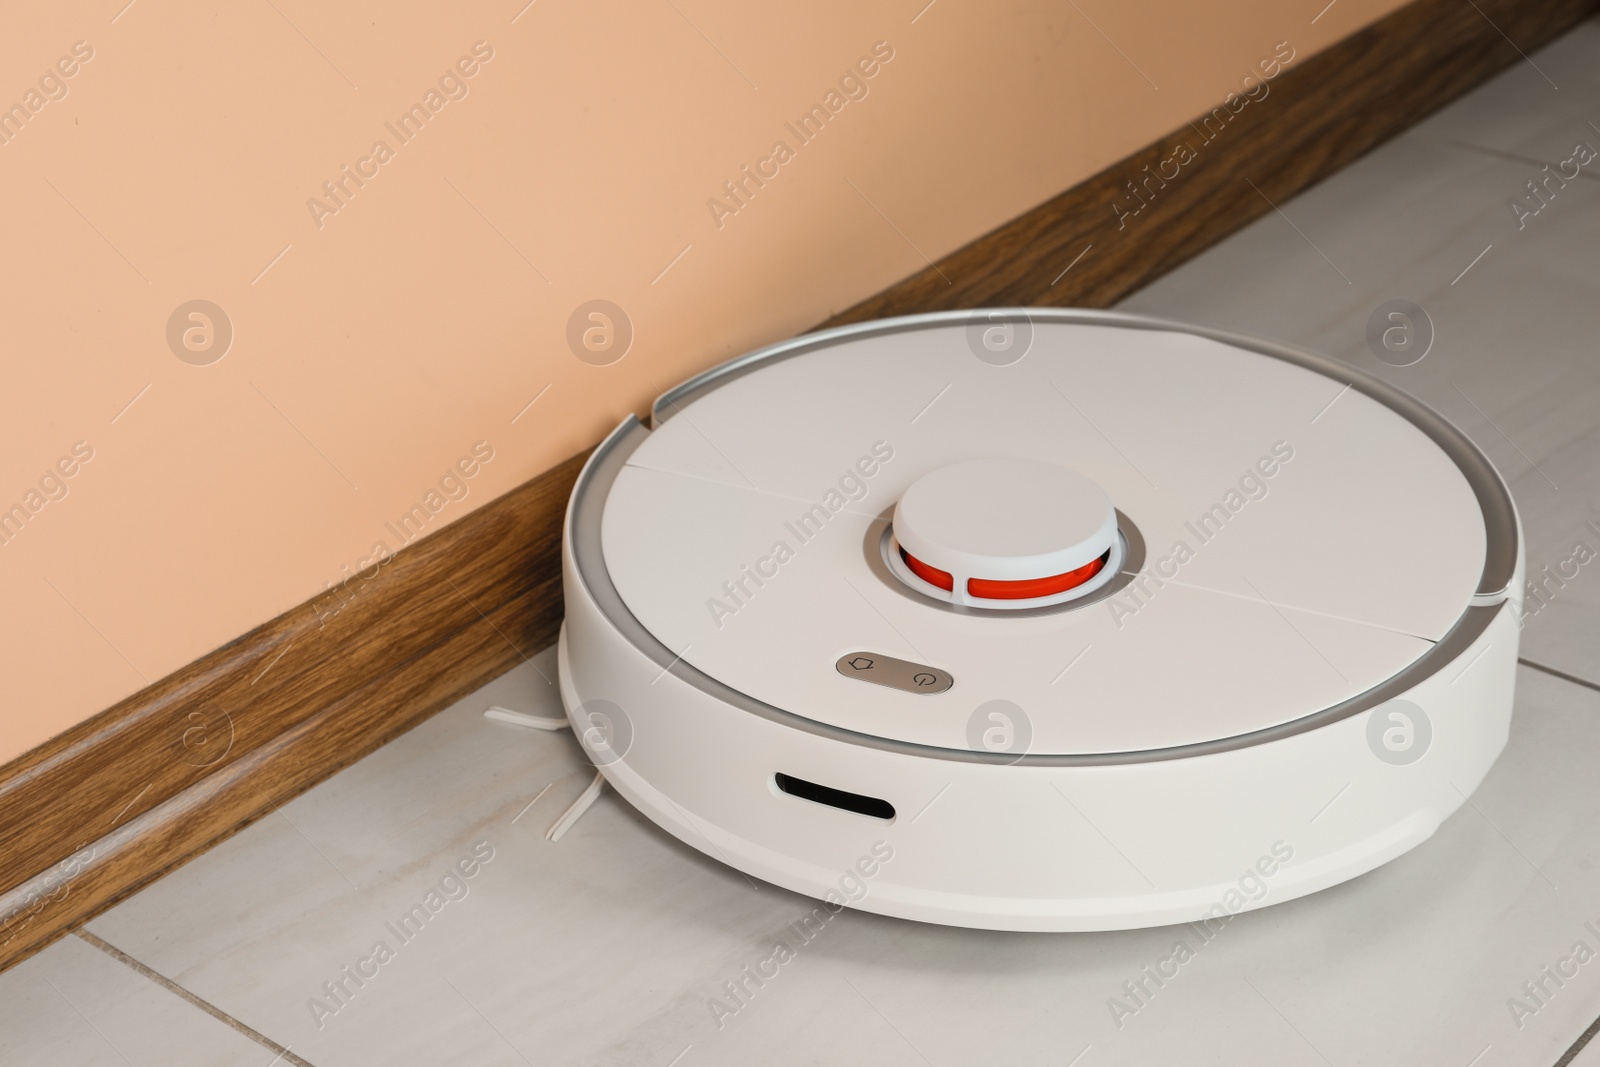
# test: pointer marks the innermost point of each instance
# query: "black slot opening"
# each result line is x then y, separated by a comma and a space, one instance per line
834, 798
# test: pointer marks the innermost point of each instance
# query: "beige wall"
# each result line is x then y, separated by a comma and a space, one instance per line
422, 316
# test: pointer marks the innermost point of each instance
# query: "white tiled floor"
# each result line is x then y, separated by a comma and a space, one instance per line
75, 1006
608, 946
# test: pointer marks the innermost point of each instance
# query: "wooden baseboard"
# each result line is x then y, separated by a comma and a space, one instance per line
143, 787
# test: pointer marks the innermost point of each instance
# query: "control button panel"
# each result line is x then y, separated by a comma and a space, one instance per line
895, 673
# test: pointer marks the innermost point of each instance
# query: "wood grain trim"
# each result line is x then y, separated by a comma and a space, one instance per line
1319, 115
105, 808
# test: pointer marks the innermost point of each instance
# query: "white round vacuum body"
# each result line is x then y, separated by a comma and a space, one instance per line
1041, 619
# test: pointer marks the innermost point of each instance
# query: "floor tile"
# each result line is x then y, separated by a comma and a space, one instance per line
72, 1005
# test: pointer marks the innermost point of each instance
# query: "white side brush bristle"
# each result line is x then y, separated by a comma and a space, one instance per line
517, 718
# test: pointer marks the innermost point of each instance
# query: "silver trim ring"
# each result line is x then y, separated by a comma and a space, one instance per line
586, 508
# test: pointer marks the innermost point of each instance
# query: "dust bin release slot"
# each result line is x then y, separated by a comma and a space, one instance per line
834, 798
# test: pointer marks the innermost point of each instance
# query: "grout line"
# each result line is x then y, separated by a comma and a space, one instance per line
1578, 1045
1563, 675
210, 1009
1498, 153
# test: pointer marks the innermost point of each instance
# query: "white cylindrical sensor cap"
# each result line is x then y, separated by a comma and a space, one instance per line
1005, 520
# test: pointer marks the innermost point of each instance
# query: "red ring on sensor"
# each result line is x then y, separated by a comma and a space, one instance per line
1030, 588
931, 575
994, 589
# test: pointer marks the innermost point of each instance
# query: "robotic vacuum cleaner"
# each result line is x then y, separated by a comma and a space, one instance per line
1034, 619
